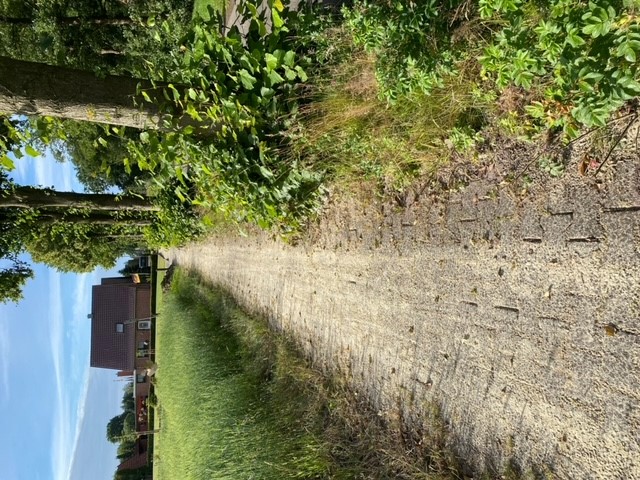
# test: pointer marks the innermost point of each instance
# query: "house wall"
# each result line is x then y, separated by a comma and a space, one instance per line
143, 310
143, 300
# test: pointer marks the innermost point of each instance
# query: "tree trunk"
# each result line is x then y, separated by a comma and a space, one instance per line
47, 218
30, 197
72, 21
28, 88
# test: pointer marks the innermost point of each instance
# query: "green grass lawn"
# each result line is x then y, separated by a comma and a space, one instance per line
219, 417
200, 7
157, 308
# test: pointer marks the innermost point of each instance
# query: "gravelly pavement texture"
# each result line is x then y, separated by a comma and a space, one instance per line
517, 316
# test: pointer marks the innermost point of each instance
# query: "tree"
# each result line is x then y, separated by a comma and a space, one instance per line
123, 424
98, 157
13, 279
132, 266
126, 448
115, 427
128, 402
43, 198
14, 272
80, 95
110, 36
71, 21
73, 247
69, 231
28, 88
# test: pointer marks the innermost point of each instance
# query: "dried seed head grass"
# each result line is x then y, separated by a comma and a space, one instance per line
348, 130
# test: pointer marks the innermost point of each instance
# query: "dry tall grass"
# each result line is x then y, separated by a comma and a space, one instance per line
348, 131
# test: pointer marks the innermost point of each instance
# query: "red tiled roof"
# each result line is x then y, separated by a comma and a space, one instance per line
137, 461
112, 304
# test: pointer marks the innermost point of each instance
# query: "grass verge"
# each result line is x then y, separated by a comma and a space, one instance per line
237, 402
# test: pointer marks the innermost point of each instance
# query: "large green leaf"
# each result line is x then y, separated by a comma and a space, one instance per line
271, 61
277, 20
247, 80
7, 163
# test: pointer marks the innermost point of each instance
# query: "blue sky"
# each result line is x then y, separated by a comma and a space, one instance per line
53, 407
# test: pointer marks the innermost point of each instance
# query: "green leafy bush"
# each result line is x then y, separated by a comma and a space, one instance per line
176, 222
230, 99
464, 139
580, 56
411, 41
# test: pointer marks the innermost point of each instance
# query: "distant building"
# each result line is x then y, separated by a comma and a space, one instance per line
121, 340
120, 324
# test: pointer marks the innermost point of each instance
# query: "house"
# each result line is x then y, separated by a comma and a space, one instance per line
121, 319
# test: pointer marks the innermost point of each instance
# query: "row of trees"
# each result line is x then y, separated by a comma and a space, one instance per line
66, 230
210, 130
59, 60
121, 429
106, 36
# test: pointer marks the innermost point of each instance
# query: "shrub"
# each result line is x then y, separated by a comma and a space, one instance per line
580, 56
411, 41
223, 132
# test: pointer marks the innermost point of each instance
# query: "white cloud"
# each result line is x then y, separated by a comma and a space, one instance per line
61, 434
4, 360
82, 408
46, 172
22, 166
66, 432
66, 176
43, 172
81, 308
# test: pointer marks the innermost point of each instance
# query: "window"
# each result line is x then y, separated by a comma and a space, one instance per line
144, 325
141, 378
119, 327
144, 262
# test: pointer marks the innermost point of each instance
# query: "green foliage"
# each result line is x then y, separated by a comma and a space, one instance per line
79, 247
13, 277
411, 41
115, 428
121, 428
107, 36
551, 165
464, 139
69, 239
225, 122
580, 56
126, 448
202, 7
16, 139
97, 151
176, 222
14, 271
